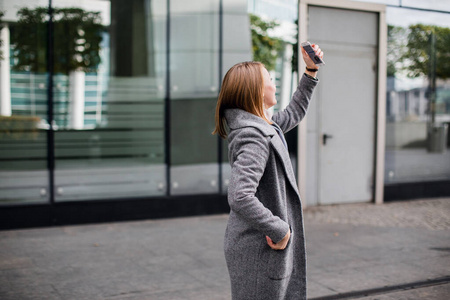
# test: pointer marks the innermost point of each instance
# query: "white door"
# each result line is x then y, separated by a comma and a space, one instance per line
341, 123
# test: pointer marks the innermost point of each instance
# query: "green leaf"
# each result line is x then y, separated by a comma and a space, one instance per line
409, 50
265, 48
77, 37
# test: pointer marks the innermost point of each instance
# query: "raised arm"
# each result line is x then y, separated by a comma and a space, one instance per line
296, 110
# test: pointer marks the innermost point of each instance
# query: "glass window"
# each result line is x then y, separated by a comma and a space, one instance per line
387, 2
194, 86
23, 104
441, 5
264, 31
109, 91
236, 47
274, 32
418, 96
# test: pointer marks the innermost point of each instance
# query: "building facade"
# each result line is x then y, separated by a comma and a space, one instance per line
107, 106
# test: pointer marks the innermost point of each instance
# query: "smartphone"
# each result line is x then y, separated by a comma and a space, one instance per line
309, 49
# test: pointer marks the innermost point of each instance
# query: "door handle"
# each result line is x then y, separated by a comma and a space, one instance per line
325, 137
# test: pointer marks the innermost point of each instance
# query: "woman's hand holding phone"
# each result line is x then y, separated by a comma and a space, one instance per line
312, 55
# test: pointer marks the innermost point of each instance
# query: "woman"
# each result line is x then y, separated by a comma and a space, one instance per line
264, 240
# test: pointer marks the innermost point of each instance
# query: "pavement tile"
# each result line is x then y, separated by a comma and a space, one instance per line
211, 277
187, 294
42, 292
24, 284
438, 266
13, 262
78, 288
177, 261
158, 281
204, 294
350, 279
116, 285
316, 289
401, 273
436, 292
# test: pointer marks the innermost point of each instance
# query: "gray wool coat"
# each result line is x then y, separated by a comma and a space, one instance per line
264, 200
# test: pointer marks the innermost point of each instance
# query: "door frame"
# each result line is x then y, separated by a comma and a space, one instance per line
380, 106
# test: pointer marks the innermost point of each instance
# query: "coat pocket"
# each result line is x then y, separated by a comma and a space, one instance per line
281, 262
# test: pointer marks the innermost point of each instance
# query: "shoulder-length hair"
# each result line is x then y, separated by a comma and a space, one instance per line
243, 88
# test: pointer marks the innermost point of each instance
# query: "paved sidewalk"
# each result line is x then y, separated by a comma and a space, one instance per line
379, 249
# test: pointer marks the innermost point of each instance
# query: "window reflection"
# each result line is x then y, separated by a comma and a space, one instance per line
194, 65
418, 102
23, 108
274, 32
264, 31
109, 100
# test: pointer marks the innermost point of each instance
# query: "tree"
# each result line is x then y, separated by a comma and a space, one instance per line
77, 38
396, 49
409, 50
265, 48
418, 51
424, 52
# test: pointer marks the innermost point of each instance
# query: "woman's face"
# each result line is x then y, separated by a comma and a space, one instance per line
269, 90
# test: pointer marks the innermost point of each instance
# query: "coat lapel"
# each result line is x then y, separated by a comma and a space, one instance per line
237, 118
283, 154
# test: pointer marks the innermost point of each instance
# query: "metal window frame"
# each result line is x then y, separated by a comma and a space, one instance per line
50, 103
220, 69
167, 108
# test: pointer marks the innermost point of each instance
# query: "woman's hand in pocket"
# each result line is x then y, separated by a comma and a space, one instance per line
281, 245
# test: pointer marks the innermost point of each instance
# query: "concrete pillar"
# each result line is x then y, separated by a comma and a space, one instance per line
76, 99
5, 76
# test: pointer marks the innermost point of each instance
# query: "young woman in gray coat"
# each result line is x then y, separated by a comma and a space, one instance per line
264, 240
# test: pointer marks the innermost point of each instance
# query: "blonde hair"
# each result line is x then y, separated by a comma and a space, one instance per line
243, 88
